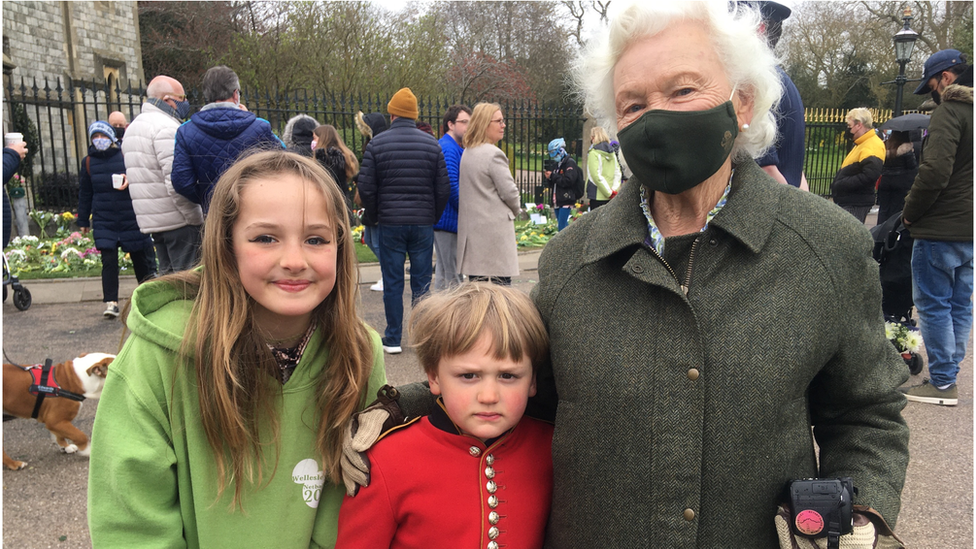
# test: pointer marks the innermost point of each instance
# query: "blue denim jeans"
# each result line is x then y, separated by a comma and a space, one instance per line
372, 240
942, 286
396, 242
562, 217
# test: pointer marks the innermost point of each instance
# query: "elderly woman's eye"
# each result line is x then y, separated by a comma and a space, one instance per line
684, 91
634, 108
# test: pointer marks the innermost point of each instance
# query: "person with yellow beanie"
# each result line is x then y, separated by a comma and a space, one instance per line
404, 186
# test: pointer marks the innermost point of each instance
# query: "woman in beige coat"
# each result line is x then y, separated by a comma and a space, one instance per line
488, 201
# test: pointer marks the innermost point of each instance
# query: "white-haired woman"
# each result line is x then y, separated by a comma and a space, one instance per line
704, 318
853, 185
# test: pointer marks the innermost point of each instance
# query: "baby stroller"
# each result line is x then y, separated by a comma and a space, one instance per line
893, 252
22, 296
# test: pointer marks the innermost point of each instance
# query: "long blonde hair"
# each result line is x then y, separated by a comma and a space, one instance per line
235, 372
328, 136
477, 133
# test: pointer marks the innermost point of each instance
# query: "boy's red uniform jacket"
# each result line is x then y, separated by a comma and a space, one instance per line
435, 489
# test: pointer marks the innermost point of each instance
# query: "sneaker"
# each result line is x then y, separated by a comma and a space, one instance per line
378, 287
392, 349
930, 394
112, 309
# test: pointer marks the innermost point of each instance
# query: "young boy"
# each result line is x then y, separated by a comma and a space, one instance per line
474, 473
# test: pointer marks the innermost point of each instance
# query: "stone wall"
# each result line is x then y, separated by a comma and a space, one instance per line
54, 44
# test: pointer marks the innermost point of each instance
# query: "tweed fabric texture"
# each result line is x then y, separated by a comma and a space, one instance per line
674, 407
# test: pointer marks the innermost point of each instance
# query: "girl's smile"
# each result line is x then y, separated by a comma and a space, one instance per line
285, 245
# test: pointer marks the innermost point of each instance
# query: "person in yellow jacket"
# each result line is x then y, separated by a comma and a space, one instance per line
602, 168
853, 186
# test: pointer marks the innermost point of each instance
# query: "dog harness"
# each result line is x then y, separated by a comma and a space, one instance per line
46, 385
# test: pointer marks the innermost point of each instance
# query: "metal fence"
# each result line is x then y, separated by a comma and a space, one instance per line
54, 118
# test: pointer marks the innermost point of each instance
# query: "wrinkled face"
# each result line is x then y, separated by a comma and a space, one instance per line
484, 396
496, 128
285, 245
677, 69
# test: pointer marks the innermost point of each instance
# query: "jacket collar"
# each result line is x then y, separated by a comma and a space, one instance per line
748, 216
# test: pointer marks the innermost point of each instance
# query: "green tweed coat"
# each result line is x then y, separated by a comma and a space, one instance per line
681, 416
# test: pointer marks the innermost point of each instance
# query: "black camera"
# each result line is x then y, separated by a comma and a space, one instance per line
549, 165
822, 507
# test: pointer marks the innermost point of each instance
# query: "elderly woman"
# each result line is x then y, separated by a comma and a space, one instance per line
853, 186
488, 201
704, 318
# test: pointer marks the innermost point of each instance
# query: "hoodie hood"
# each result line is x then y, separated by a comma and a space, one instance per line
224, 124
159, 313
604, 147
298, 132
962, 89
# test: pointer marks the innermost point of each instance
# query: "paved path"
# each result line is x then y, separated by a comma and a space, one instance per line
937, 502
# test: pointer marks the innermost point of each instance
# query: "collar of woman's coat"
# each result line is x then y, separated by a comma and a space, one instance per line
748, 216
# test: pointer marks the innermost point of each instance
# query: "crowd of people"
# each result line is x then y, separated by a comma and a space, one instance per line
659, 384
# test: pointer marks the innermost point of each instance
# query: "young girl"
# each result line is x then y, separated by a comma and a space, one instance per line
111, 213
334, 155
220, 422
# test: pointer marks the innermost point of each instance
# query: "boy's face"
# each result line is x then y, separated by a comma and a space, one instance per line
484, 396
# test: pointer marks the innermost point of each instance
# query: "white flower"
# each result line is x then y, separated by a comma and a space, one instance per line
69, 251
913, 340
889, 330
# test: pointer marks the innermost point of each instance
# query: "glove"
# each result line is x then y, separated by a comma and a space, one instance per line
863, 537
613, 194
362, 431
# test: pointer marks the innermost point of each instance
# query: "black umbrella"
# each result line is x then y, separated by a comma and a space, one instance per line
907, 123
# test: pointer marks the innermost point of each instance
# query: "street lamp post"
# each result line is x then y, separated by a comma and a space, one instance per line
904, 44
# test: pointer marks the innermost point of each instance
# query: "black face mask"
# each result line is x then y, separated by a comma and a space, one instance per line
673, 151
119, 132
936, 97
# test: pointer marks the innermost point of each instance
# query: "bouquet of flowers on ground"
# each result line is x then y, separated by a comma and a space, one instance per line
906, 339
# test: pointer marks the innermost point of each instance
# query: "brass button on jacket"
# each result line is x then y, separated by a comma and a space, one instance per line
693, 374
689, 515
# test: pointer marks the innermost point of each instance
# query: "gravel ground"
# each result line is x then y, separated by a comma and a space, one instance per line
44, 505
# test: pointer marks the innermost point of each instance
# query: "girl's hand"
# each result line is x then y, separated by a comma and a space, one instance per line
125, 182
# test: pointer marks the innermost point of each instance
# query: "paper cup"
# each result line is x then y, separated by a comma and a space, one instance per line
117, 180
12, 138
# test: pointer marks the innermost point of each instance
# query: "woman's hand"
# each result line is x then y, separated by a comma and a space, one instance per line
125, 182
84, 230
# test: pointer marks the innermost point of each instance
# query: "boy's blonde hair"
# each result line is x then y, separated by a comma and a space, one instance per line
451, 322
235, 372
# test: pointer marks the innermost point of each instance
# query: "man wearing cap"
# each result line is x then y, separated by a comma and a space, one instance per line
784, 160
403, 184
939, 213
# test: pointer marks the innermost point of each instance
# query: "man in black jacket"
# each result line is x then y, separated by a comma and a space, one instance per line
403, 184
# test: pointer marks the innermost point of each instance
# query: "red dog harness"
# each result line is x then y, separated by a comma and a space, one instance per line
46, 385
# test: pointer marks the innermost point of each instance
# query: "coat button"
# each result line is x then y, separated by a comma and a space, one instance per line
693, 374
492, 501
689, 515
490, 459
493, 532
637, 269
474, 451
492, 545
489, 472
713, 242
491, 487
493, 517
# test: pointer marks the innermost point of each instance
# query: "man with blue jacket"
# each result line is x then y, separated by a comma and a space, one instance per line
215, 137
404, 186
445, 231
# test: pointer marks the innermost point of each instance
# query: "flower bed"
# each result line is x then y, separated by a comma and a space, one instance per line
64, 255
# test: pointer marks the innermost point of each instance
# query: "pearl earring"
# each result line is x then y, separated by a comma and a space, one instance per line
745, 127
